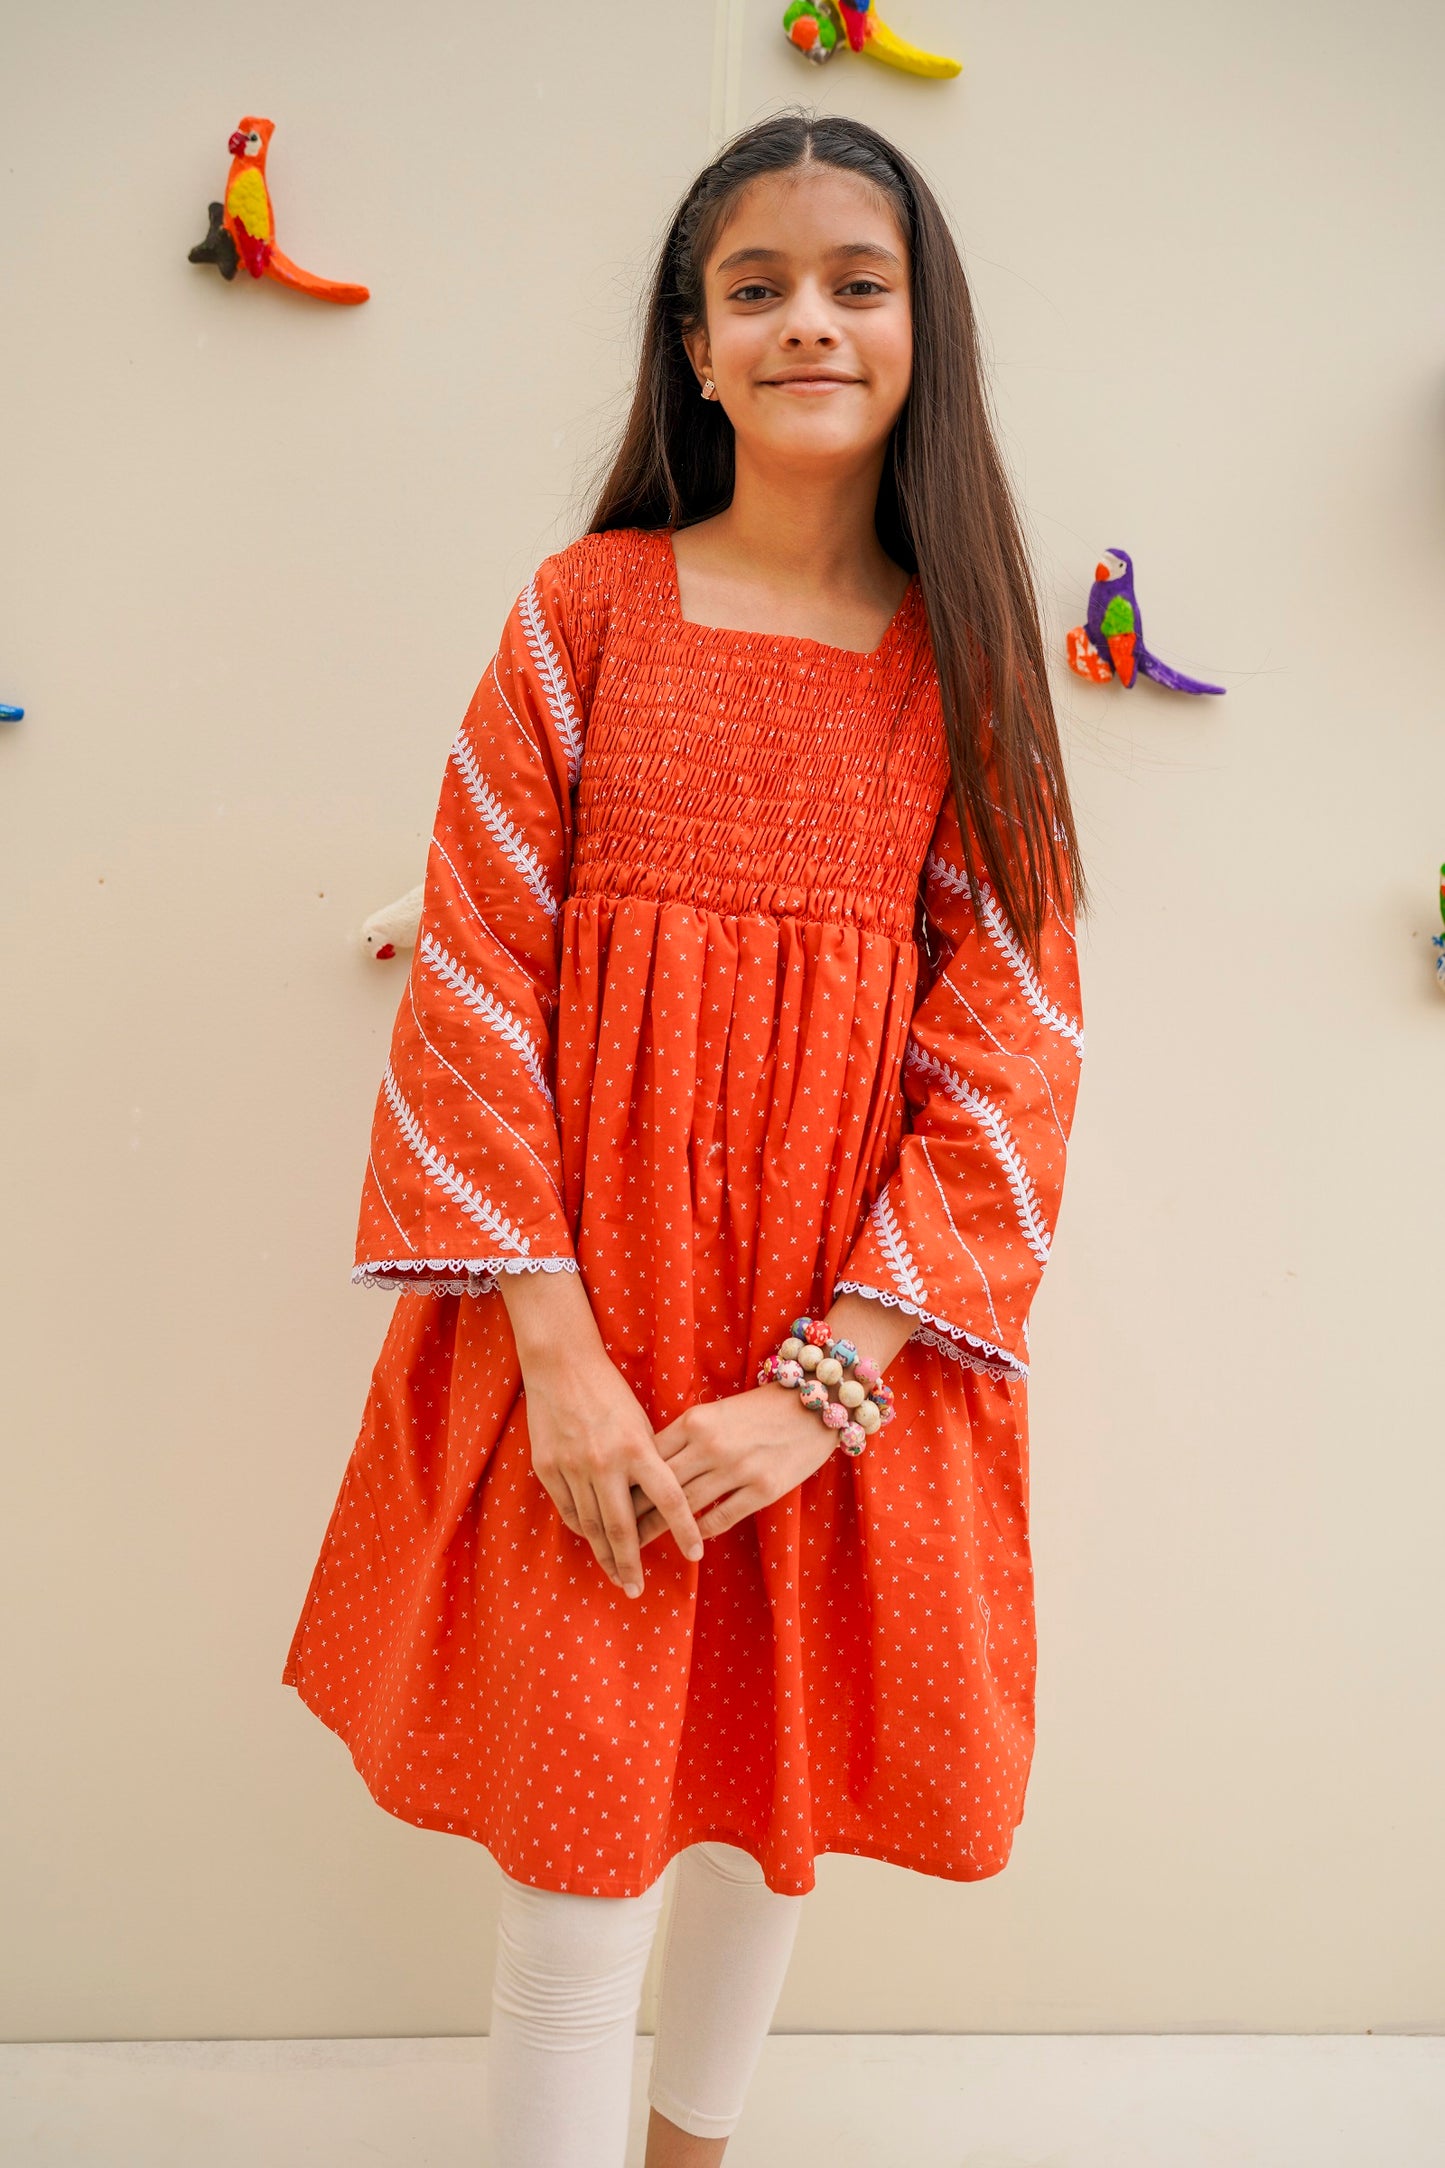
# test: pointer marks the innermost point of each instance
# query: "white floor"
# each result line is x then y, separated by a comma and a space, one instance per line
993, 2100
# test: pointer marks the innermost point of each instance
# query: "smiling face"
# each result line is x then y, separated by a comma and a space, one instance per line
808, 333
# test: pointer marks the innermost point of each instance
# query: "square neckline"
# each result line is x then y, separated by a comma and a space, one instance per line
673, 588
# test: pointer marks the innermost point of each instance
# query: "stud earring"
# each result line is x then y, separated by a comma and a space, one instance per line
709, 389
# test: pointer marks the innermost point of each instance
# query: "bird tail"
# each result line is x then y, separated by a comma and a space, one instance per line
282, 269
1173, 679
881, 43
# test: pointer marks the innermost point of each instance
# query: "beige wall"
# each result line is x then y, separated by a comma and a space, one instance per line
256, 556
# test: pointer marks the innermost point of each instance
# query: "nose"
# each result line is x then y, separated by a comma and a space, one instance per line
809, 321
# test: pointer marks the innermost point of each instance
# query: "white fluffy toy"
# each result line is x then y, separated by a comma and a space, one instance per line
394, 927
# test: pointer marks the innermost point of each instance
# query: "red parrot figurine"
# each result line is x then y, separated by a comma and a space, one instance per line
243, 228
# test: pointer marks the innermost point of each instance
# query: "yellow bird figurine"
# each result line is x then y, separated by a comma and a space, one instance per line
820, 28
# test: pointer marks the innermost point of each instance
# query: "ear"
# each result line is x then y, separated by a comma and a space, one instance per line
698, 351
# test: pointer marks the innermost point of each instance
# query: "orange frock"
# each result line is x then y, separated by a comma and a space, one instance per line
671, 1022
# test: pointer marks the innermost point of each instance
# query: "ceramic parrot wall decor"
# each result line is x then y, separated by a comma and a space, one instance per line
820, 28
1110, 642
243, 227
1437, 941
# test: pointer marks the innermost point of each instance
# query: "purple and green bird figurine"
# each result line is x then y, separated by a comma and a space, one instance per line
1110, 642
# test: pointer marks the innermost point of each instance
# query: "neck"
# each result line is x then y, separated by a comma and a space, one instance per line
807, 528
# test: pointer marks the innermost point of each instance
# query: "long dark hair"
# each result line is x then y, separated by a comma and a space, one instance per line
945, 509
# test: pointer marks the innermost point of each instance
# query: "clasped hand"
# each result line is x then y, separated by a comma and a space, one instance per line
733, 1456
620, 1485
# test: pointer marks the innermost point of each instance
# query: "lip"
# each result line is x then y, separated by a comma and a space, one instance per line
810, 380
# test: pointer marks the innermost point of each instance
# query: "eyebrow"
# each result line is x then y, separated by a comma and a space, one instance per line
848, 249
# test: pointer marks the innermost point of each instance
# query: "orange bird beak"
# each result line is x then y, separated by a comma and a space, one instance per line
1101, 571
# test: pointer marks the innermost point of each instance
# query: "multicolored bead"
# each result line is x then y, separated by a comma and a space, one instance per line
810, 1360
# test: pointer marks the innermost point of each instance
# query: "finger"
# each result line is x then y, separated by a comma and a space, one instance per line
691, 1461
620, 1526
698, 1479
554, 1483
730, 1510
590, 1525
659, 1484
704, 1490
652, 1525
641, 1499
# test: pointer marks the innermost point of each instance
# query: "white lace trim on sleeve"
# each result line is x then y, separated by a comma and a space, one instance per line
937, 1332
450, 1275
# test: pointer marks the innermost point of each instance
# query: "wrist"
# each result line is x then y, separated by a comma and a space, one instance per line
563, 1371
553, 1327
834, 1380
871, 1327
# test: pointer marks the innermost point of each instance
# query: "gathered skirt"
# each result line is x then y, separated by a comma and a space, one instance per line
849, 1670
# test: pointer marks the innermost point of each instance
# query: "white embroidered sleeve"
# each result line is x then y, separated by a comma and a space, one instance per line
959, 1235
464, 1179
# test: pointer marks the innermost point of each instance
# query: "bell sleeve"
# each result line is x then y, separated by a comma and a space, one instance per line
960, 1232
464, 1174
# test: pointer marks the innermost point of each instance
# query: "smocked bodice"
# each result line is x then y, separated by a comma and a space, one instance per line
755, 772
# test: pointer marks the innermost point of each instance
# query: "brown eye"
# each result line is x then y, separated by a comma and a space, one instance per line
752, 293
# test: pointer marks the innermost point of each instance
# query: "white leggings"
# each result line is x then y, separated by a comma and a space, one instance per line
565, 2000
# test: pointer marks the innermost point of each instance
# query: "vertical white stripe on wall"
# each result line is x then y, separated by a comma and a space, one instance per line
727, 69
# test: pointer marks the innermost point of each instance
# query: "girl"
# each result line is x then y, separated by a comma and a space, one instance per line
735, 1068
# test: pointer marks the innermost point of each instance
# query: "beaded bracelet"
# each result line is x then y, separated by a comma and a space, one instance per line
810, 1360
